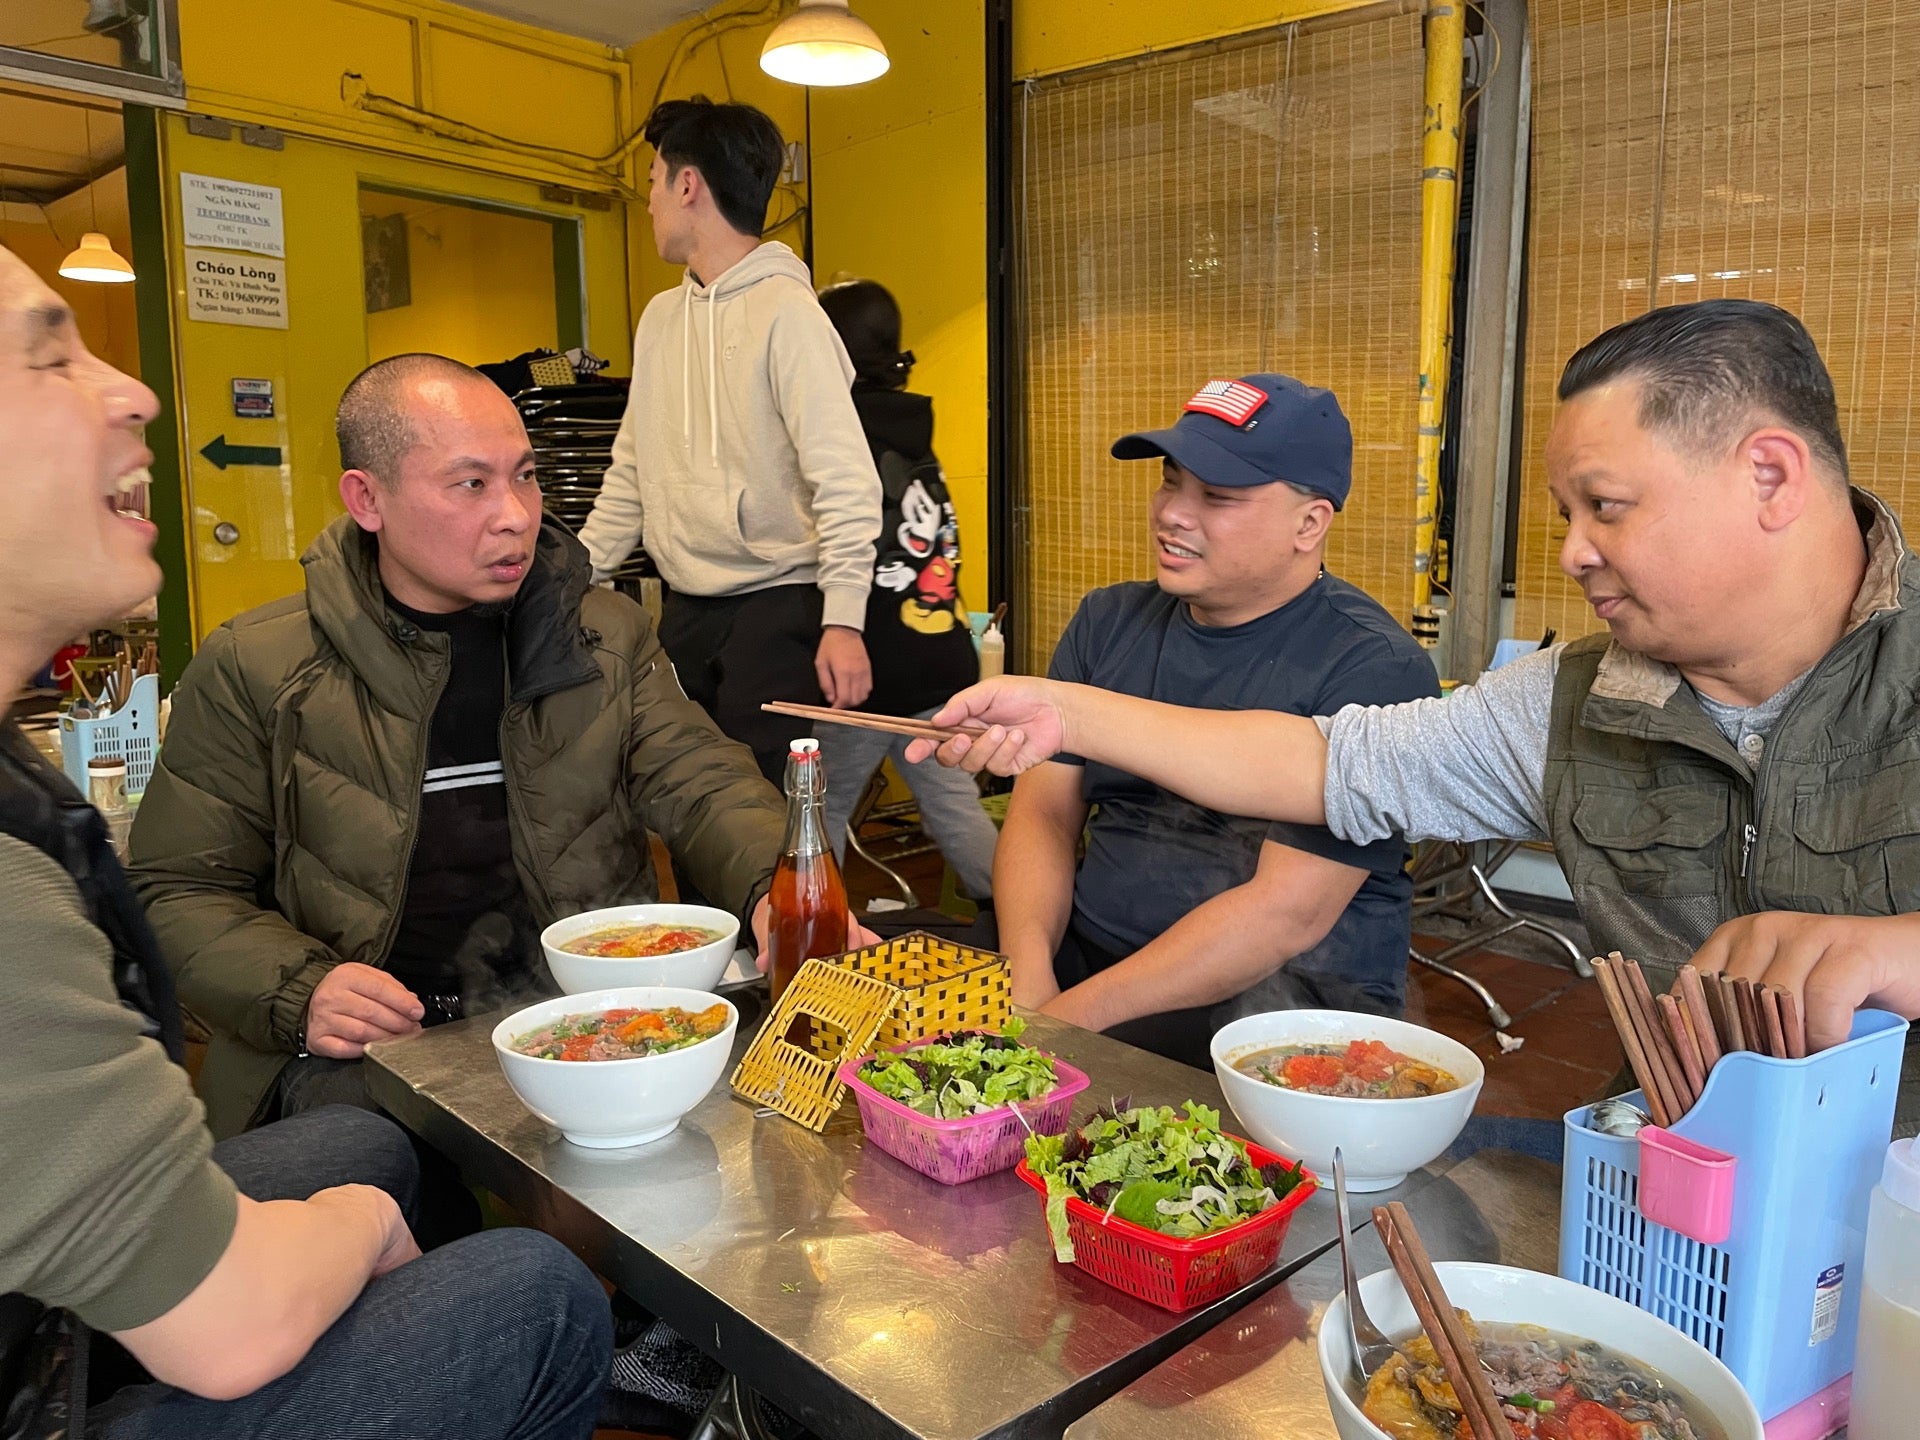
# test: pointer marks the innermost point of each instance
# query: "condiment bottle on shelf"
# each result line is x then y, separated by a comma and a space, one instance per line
1889, 1340
808, 900
993, 652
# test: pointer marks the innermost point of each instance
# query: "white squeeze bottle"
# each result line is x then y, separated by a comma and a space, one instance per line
993, 652
1889, 1344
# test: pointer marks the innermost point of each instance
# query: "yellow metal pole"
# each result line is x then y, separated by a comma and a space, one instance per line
1446, 36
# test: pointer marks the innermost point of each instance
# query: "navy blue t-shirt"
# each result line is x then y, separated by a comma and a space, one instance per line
1153, 856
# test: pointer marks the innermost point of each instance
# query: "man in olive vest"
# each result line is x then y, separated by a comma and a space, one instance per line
1731, 775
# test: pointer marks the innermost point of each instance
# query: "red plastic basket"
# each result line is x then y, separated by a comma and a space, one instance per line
956, 1151
1172, 1273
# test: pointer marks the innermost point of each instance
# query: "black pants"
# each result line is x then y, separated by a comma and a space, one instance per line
735, 652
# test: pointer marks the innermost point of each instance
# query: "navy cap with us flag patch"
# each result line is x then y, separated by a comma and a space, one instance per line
1254, 431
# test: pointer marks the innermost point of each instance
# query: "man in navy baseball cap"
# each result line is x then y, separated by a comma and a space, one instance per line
1180, 919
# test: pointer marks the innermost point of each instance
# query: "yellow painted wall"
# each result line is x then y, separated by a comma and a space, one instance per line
278, 512
281, 65
482, 283
900, 195
725, 66
43, 238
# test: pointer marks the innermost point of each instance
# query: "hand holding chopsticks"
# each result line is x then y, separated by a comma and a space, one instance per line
1441, 1322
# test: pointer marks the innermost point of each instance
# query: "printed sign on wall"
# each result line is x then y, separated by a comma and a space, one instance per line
230, 214
236, 289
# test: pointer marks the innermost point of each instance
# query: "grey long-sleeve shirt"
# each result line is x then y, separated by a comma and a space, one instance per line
1469, 766
1473, 766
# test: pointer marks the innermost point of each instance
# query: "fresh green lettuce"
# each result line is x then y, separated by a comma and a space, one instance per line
967, 1074
1177, 1174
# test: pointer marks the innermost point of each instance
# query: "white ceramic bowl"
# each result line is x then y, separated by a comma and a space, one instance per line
698, 969
604, 1104
1380, 1140
1527, 1297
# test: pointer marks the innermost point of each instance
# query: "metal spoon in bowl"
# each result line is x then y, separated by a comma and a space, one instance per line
1371, 1349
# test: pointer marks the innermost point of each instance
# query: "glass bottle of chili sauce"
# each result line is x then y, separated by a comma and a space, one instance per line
808, 902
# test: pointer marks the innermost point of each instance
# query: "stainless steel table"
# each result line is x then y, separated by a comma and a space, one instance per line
1257, 1376
862, 1297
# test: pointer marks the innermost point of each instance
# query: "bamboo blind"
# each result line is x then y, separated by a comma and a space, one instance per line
1208, 214
1790, 173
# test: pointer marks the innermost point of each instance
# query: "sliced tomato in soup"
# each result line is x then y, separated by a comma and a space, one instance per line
1309, 1072
1590, 1420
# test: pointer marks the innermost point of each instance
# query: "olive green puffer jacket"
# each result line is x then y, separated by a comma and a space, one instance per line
274, 839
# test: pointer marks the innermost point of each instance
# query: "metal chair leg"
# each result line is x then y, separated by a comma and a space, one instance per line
876, 785
1579, 962
1496, 1012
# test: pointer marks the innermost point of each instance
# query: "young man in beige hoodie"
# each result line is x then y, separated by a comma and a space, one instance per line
740, 462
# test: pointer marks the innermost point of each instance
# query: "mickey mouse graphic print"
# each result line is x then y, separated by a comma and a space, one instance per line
917, 632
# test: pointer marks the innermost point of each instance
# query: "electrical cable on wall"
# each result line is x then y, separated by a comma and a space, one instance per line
355, 92
608, 168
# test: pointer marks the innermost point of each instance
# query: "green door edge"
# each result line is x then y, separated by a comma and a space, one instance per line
167, 503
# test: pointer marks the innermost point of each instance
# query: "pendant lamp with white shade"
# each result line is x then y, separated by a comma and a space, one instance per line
96, 260
824, 43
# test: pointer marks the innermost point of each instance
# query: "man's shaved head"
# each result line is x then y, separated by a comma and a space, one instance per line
372, 425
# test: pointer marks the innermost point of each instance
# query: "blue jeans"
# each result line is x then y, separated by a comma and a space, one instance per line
502, 1334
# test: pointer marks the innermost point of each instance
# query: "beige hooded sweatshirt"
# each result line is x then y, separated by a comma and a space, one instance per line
740, 462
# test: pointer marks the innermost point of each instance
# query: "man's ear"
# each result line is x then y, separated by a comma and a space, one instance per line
363, 495
1316, 518
1778, 464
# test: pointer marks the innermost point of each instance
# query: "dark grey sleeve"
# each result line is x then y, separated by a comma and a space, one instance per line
1471, 766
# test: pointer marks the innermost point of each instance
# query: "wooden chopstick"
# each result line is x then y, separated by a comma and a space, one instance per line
1750, 1018
1693, 1068
1792, 1026
861, 720
1610, 991
1441, 1322
1693, 995
1768, 997
1736, 1022
1717, 1007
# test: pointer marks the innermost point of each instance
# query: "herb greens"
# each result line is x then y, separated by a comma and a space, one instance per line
1178, 1175
969, 1073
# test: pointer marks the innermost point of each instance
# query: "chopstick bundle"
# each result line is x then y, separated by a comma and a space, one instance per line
1673, 1041
1633, 1040
861, 720
1441, 1322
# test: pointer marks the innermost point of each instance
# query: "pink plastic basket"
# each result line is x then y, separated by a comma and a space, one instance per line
956, 1151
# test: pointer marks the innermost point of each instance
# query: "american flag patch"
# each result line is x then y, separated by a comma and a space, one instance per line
1228, 400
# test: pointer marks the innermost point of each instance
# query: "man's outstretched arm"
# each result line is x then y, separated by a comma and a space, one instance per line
1241, 762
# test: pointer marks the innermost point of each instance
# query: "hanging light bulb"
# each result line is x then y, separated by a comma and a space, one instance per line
96, 260
824, 43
